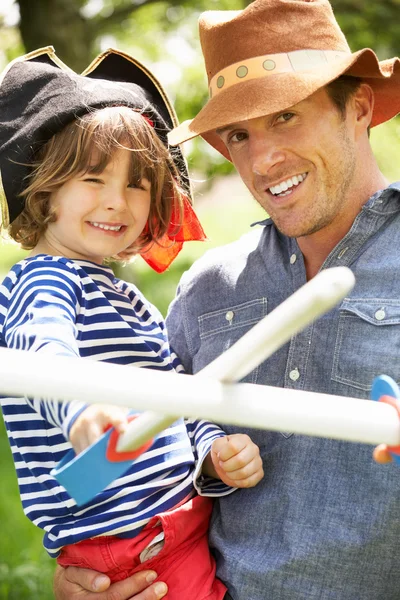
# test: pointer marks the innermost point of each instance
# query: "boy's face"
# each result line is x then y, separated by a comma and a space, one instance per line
98, 216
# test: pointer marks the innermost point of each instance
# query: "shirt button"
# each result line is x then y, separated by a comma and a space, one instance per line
342, 252
294, 374
229, 315
380, 314
293, 259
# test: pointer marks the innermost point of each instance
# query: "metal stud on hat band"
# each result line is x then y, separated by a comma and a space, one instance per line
271, 64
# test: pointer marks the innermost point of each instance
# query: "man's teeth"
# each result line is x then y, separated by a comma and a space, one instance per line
107, 227
286, 185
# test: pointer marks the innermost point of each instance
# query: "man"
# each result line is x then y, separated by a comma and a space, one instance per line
291, 106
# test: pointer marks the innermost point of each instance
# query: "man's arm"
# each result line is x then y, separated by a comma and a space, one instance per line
74, 583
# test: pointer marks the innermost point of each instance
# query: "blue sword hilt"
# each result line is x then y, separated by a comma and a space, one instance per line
88, 473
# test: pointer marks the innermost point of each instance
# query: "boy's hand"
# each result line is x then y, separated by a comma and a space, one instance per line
92, 422
236, 460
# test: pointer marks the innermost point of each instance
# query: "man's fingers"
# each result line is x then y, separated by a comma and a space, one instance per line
73, 583
381, 454
136, 587
86, 578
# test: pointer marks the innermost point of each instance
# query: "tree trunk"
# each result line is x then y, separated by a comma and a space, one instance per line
57, 23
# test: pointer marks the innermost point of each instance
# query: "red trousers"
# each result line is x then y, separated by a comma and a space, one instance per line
184, 563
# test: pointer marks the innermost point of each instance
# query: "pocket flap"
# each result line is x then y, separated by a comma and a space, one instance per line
376, 311
232, 317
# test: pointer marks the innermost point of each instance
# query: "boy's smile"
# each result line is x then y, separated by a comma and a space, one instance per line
98, 215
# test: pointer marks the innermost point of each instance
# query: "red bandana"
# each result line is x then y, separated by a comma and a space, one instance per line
161, 254
164, 251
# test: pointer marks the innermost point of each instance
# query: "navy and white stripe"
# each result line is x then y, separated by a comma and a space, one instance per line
77, 308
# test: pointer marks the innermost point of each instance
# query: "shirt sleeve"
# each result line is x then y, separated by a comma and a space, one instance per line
202, 434
41, 318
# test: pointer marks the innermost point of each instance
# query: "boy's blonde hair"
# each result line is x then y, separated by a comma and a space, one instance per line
98, 134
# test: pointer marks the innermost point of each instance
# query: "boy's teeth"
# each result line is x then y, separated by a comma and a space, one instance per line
108, 227
283, 186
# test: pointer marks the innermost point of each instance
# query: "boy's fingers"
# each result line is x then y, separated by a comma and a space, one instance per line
242, 459
243, 472
231, 445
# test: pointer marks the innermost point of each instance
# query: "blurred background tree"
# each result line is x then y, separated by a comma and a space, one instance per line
163, 35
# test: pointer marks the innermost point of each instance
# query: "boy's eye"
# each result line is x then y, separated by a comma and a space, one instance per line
143, 184
92, 180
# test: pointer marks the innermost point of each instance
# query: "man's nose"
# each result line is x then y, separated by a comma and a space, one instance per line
264, 155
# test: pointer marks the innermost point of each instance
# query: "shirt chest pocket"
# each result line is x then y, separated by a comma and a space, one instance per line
220, 329
367, 342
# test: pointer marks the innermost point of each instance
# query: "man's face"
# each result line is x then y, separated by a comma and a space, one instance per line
298, 164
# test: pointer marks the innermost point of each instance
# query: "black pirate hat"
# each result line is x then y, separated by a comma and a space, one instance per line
39, 95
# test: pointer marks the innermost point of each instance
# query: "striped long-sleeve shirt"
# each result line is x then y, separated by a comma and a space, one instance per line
78, 308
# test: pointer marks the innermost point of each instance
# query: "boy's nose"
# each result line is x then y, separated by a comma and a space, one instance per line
116, 200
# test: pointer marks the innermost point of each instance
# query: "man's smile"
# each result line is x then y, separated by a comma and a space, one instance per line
284, 188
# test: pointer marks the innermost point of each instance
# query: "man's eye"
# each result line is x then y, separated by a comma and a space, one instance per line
238, 136
287, 116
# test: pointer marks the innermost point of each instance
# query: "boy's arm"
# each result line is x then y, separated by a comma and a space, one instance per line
41, 318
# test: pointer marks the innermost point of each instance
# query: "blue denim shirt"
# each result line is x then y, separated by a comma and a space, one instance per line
324, 523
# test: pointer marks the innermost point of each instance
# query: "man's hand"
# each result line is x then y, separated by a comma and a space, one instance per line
236, 460
74, 583
381, 454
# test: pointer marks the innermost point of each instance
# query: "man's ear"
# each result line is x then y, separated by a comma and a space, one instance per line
362, 103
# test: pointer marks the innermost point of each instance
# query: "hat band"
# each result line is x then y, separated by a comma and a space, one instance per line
271, 64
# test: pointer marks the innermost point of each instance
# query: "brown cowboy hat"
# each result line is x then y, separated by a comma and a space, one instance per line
274, 54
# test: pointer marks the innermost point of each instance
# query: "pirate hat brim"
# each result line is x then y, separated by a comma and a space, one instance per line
40, 95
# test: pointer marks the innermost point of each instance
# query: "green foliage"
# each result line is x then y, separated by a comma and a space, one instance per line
374, 24
385, 141
26, 570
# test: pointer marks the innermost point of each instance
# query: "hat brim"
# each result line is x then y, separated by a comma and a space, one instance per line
115, 65
263, 96
52, 98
